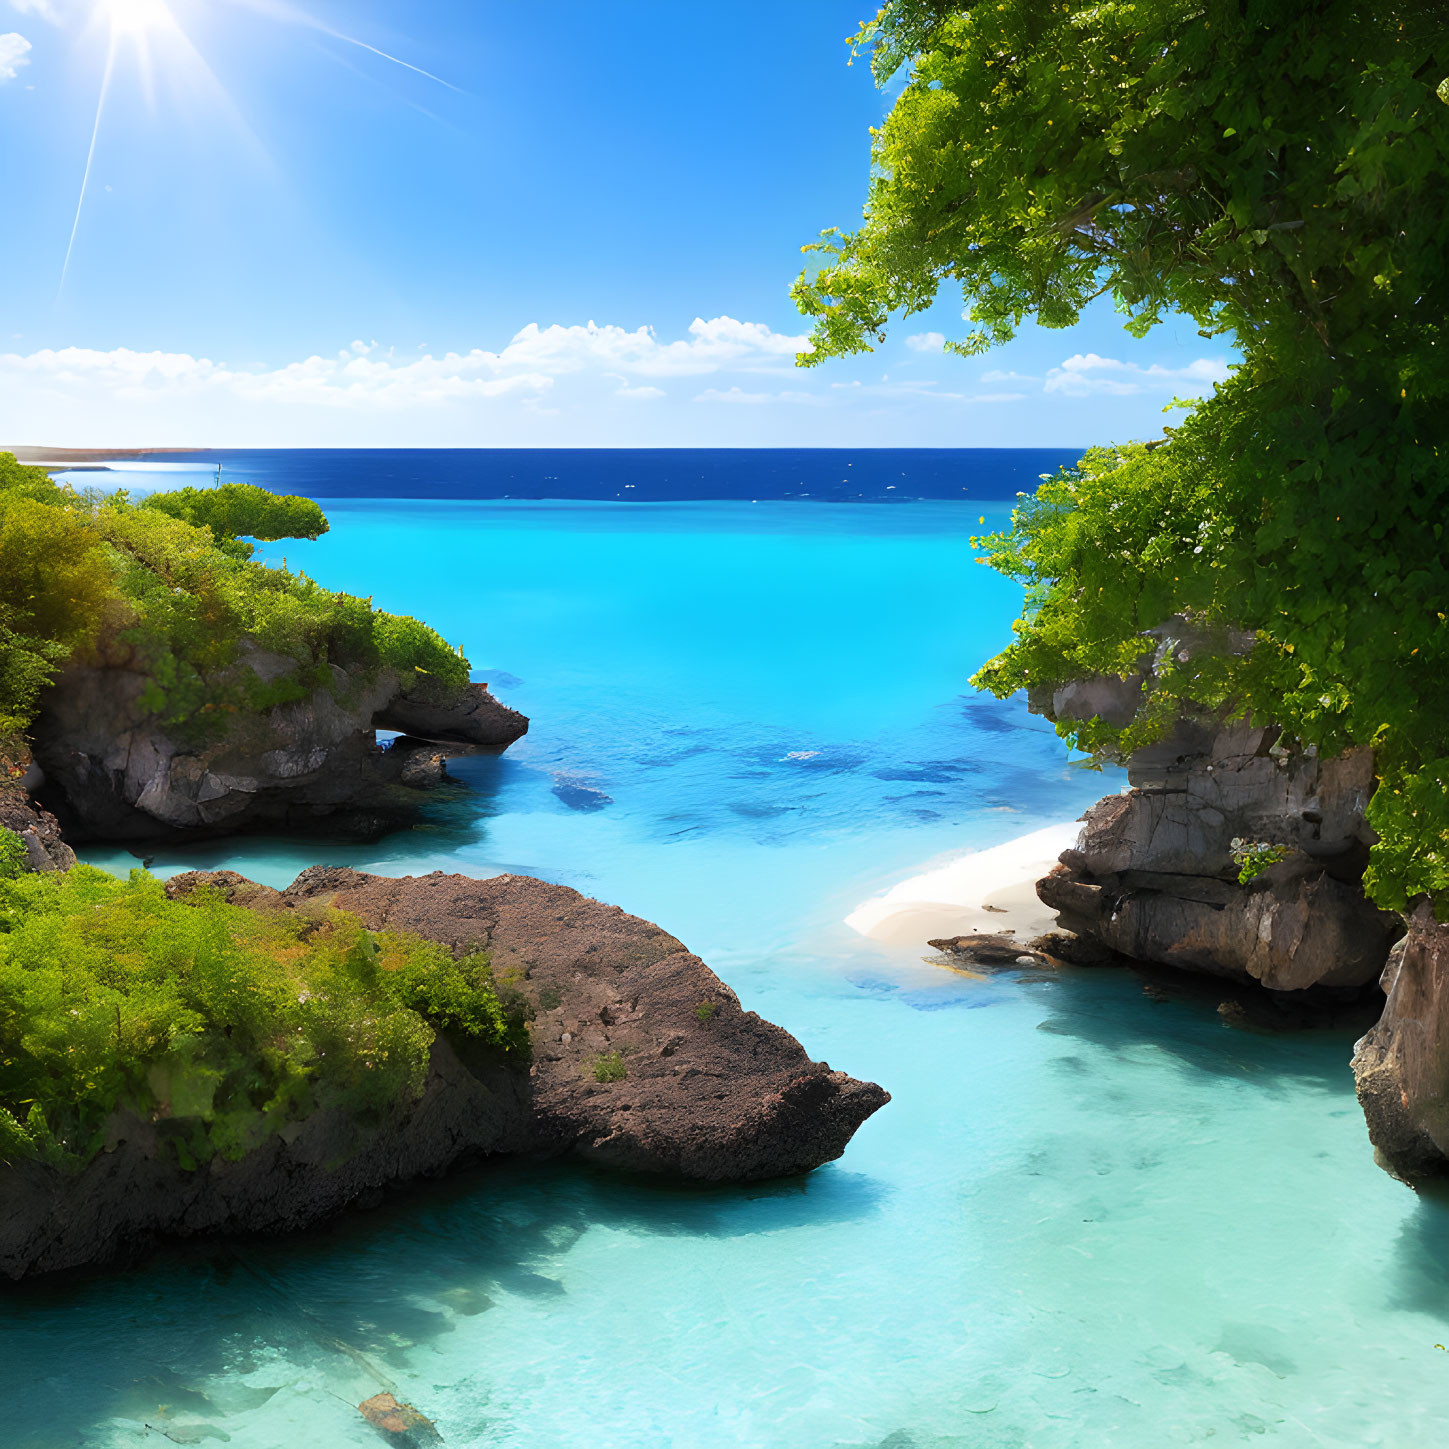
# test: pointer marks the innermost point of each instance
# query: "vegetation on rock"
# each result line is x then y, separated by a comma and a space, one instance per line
1277, 173
169, 582
218, 1022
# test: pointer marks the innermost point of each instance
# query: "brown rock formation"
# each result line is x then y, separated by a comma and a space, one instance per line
1153, 876
38, 828
1401, 1066
115, 771
691, 1084
711, 1091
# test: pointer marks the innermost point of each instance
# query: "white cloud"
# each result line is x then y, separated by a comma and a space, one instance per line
370, 378
995, 375
42, 8
1087, 373
365, 374
754, 399
926, 341
929, 390
14, 52
722, 343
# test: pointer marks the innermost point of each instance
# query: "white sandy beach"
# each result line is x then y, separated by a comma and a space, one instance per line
984, 891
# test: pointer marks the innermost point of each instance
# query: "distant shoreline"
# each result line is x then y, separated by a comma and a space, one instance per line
36, 456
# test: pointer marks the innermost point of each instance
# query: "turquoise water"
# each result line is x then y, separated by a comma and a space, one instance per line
1087, 1217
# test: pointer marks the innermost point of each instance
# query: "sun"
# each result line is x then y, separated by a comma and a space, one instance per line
135, 17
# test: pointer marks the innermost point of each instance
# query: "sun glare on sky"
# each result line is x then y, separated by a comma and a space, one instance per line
135, 17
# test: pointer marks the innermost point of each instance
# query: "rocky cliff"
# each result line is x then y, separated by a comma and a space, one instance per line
114, 770
1153, 876
1401, 1066
641, 1059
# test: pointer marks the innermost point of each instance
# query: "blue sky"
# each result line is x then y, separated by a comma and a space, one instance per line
579, 227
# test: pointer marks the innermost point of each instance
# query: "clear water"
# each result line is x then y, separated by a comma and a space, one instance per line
1087, 1217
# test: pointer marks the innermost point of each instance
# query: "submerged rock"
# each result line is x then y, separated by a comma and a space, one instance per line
398, 1422
1401, 1066
641, 1059
116, 771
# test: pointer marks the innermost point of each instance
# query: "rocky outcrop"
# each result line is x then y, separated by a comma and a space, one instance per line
641, 1059
1153, 876
115, 771
36, 827
1401, 1066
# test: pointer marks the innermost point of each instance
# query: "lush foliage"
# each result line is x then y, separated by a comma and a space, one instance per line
1277, 172
221, 1022
13, 855
237, 511
169, 580
55, 584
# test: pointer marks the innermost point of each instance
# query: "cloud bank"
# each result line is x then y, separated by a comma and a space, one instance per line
14, 53
579, 384
1088, 373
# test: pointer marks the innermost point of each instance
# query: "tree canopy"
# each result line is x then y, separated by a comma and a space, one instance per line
235, 511
1280, 174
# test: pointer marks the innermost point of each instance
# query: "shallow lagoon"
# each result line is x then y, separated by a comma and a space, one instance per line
1088, 1217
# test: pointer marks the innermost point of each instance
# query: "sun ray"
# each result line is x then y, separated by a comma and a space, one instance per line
90, 157
282, 10
140, 22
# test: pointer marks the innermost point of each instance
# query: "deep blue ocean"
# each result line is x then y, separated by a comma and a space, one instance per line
1089, 1217
629, 475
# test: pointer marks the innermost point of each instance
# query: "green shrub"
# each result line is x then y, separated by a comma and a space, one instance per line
706, 1011
223, 1022
169, 578
13, 855
610, 1068
1253, 857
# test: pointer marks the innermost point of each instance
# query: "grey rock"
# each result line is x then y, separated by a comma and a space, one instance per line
1153, 878
1401, 1066
116, 771
45, 850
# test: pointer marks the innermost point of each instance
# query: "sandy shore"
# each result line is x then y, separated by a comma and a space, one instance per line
987, 891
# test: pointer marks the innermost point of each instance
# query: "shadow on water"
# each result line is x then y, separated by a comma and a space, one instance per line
339, 1308
454, 818
1420, 1272
1130, 1009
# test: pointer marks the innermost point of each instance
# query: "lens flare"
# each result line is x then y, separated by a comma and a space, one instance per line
147, 33
135, 17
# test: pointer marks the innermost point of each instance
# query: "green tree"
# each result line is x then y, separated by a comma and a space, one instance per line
234, 511
1280, 174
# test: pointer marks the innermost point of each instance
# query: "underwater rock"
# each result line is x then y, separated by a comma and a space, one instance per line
1401, 1066
691, 1085
400, 1423
115, 770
